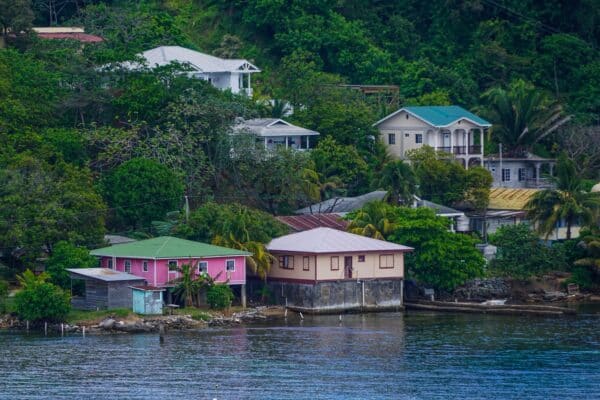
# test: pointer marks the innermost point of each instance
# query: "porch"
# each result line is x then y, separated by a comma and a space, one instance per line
458, 142
300, 143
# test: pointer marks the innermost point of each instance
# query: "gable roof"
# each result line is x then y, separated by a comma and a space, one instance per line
343, 204
328, 240
163, 247
439, 116
305, 222
440, 209
270, 127
201, 62
510, 199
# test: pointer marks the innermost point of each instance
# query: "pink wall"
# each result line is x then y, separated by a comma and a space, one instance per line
163, 275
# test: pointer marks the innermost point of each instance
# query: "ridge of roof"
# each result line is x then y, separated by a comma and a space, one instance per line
439, 116
167, 247
324, 240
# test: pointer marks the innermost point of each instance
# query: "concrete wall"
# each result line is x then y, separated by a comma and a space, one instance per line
332, 297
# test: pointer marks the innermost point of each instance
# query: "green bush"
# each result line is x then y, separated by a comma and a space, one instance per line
3, 294
219, 296
583, 277
39, 300
67, 255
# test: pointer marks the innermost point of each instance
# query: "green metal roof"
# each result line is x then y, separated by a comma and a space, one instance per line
440, 116
167, 247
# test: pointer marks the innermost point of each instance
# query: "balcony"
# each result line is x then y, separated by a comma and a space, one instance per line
460, 150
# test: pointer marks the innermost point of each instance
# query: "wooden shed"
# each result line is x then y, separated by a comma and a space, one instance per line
147, 300
104, 288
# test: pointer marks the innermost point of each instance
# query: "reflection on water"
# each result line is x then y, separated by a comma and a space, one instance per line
414, 356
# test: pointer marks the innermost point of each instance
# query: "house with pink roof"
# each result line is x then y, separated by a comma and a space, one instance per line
329, 270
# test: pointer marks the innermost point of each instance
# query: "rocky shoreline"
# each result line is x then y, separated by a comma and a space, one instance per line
148, 324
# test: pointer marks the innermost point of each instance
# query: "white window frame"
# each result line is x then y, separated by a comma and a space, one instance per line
125, 268
522, 172
169, 265
145, 265
419, 138
391, 139
200, 263
305, 263
227, 265
506, 177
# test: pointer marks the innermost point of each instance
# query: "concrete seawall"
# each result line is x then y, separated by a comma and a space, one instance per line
339, 296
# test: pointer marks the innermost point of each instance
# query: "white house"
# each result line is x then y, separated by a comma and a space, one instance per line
221, 73
449, 129
276, 132
520, 171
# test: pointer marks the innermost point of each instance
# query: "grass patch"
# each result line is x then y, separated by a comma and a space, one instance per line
81, 316
196, 313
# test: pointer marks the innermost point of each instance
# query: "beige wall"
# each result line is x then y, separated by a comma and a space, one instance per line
366, 270
405, 130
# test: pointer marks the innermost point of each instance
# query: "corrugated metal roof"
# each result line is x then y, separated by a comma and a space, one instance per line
104, 274
343, 204
328, 240
440, 116
166, 247
266, 127
305, 222
510, 199
117, 239
164, 55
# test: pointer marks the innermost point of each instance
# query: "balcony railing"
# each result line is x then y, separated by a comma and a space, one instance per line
475, 149
460, 149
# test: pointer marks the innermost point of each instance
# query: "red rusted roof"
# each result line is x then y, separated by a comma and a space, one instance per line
305, 222
81, 37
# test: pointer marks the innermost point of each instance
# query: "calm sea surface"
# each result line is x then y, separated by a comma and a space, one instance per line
385, 356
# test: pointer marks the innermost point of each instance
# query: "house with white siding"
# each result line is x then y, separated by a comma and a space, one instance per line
448, 129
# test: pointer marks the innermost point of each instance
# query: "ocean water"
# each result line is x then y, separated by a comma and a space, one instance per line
373, 356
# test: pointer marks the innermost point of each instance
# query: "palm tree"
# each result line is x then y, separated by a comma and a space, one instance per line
373, 220
522, 115
568, 202
187, 285
400, 181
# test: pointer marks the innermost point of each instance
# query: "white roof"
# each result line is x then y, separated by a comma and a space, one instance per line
269, 127
58, 29
104, 274
200, 62
328, 240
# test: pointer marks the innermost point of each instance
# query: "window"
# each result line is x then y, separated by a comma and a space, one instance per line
202, 267
286, 262
335, 263
306, 263
110, 263
145, 266
522, 174
127, 265
505, 175
419, 138
407, 135
361, 258
386, 261
230, 265
391, 138
172, 265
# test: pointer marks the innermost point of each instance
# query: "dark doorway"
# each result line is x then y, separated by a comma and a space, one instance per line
348, 267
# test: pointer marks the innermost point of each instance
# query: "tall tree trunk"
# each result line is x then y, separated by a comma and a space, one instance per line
568, 229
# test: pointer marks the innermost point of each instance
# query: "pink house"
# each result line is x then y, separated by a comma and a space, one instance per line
157, 260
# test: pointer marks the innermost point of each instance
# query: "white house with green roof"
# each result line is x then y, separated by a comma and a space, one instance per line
158, 260
449, 129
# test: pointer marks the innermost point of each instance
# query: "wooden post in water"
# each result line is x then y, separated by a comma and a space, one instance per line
285, 314
27, 325
83, 331
161, 333
45, 329
62, 329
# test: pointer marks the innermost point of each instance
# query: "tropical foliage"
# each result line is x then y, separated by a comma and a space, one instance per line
67, 255
219, 296
39, 300
568, 202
